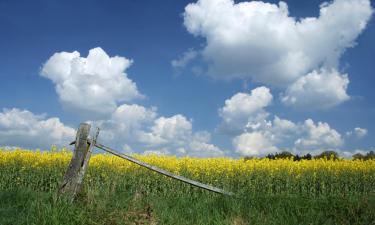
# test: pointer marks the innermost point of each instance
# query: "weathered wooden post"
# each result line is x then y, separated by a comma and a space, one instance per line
73, 178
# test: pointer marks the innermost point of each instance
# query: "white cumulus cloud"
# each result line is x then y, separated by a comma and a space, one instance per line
267, 136
24, 129
360, 132
257, 135
174, 130
282, 134
253, 144
317, 90
318, 136
262, 42
93, 85
243, 109
357, 132
185, 59
140, 129
98, 85
175, 135
126, 124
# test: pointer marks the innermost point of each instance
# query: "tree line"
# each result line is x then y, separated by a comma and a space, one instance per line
331, 155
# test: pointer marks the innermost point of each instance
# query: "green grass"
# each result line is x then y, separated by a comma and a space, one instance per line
137, 206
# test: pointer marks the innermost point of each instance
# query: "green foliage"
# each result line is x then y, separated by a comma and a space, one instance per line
289, 155
358, 156
281, 155
370, 155
284, 155
135, 206
330, 155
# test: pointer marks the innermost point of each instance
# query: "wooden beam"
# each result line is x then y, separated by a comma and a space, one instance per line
85, 164
164, 172
72, 181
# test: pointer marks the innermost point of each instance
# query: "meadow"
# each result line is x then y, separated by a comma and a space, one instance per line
282, 191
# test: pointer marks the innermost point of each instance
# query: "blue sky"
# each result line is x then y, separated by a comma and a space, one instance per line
206, 78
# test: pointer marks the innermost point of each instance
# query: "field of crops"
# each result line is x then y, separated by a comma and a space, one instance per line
249, 180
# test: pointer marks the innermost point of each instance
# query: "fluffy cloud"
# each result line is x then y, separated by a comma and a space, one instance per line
282, 129
93, 85
125, 124
260, 41
357, 132
185, 59
175, 135
136, 127
98, 85
175, 131
262, 137
317, 90
283, 125
256, 134
244, 109
319, 136
203, 149
255, 143
25, 129
131, 128
287, 135
360, 132
198, 145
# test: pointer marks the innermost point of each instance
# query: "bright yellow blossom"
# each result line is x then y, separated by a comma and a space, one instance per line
44, 170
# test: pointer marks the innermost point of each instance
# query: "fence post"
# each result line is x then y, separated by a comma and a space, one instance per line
73, 178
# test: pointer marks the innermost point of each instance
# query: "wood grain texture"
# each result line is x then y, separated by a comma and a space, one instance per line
85, 164
72, 181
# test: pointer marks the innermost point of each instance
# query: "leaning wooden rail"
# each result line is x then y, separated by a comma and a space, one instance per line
162, 171
73, 179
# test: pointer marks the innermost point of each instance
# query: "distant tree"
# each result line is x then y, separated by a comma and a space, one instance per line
304, 157
297, 158
358, 156
330, 155
270, 156
370, 155
307, 156
284, 155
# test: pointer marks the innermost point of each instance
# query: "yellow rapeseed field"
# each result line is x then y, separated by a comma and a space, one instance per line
42, 170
